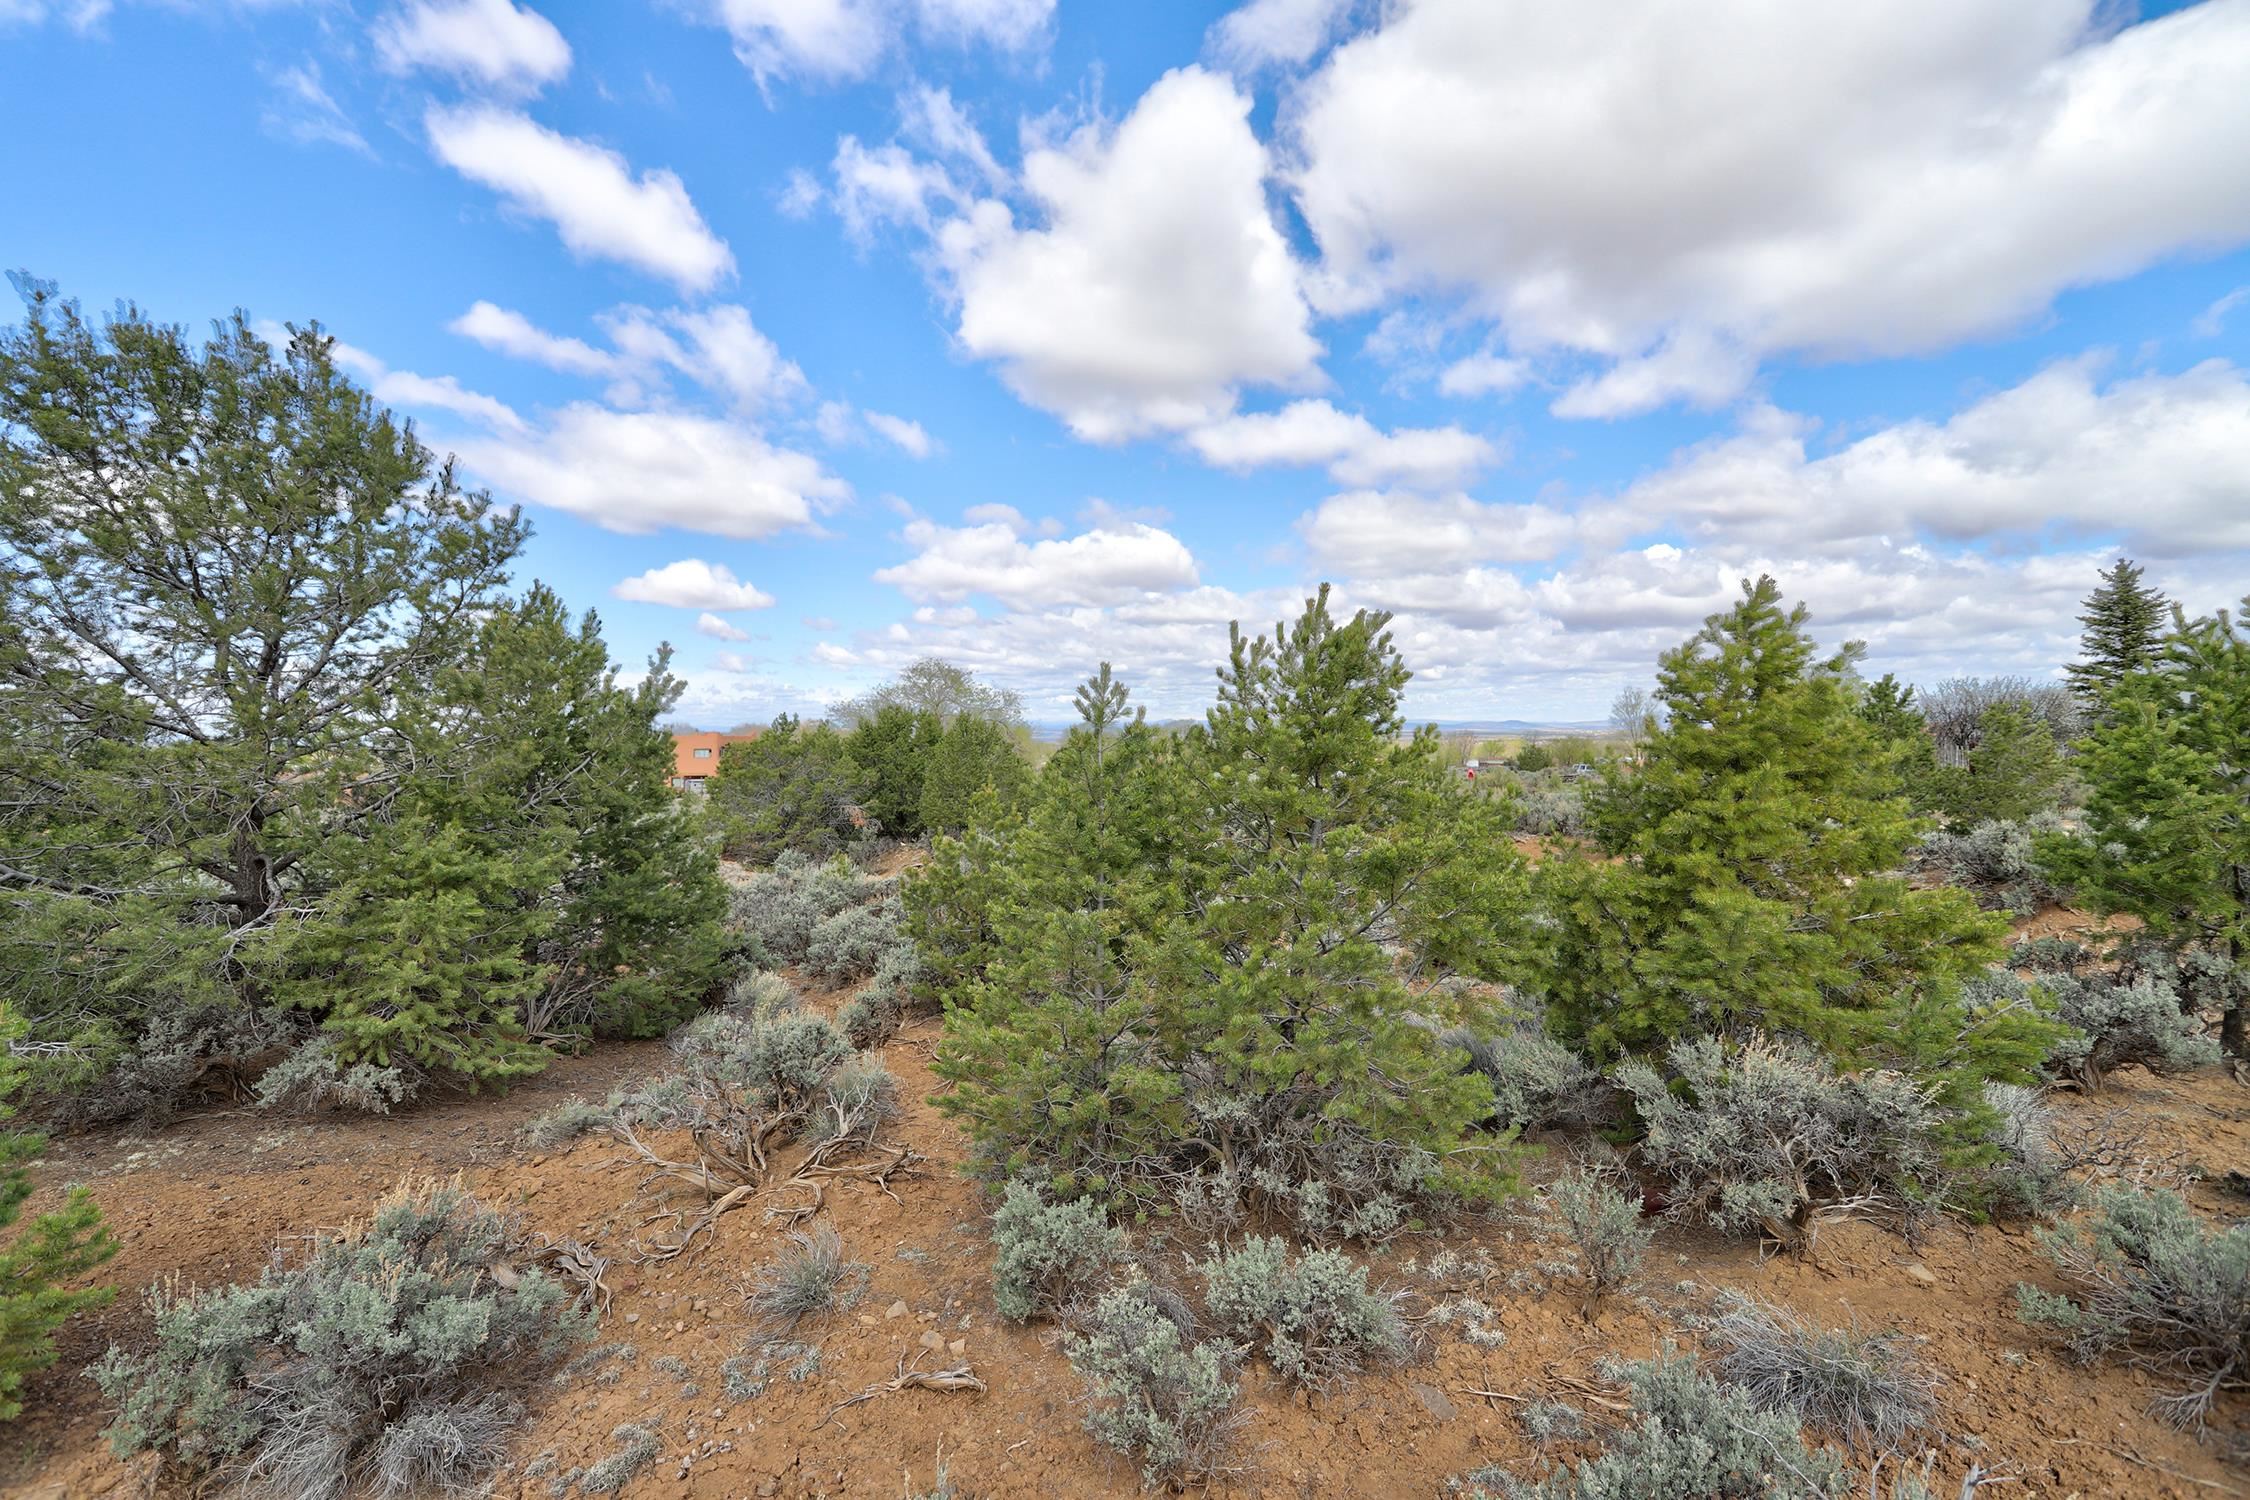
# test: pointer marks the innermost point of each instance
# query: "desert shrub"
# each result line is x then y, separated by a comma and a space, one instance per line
565, 1123
431, 1448
776, 910
2152, 1281
1766, 1136
1695, 1440
854, 1102
809, 1276
2118, 1024
872, 1016
310, 1078
664, 1102
1536, 1080
637, 1448
1547, 1422
1551, 809
786, 1061
1602, 1223
1312, 1316
1329, 1180
1867, 1387
853, 943
1155, 1397
1045, 1251
746, 1376
180, 1053
761, 995
296, 1384
1994, 859
2029, 1172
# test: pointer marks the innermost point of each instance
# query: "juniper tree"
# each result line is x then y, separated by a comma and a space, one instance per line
2124, 622
973, 756
795, 786
893, 747
2166, 832
2015, 770
218, 567
1750, 880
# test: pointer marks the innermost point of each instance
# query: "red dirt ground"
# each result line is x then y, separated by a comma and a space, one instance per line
210, 1198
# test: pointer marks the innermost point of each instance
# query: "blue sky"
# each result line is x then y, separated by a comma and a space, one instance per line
818, 335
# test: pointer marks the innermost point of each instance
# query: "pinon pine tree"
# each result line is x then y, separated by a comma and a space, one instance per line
1752, 854
54, 1247
1343, 868
1054, 1052
2166, 832
2125, 621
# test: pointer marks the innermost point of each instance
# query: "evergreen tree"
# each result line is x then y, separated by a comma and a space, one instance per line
2167, 821
794, 787
1754, 851
2015, 770
1054, 1052
2124, 622
974, 755
1332, 841
56, 1246
893, 748
1887, 708
218, 568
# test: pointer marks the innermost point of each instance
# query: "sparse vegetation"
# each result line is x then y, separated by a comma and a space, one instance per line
1693, 1439
809, 1277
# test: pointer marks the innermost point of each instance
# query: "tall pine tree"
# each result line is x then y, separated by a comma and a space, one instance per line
1749, 878
2124, 622
2166, 831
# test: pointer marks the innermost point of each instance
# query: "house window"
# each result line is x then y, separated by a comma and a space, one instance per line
702, 754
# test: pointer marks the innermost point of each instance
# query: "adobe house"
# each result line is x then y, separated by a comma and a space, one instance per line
695, 755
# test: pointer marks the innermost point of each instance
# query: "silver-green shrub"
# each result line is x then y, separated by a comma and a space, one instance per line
776, 910
1764, 1136
811, 1275
1153, 1395
311, 1079
1536, 1080
1312, 1315
1996, 861
1867, 1387
1694, 1439
1602, 1223
369, 1361
2136, 1024
853, 943
2152, 1282
1045, 1251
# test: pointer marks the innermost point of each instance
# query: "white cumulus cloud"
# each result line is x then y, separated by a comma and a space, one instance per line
692, 583
991, 558
493, 42
588, 192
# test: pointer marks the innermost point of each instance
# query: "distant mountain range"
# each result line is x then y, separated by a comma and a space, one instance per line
1055, 729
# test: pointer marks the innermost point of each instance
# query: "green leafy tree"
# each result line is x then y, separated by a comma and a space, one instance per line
1534, 757
795, 786
2166, 832
219, 567
972, 757
2015, 770
1750, 881
2125, 621
1888, 709
894, 747
54, 1247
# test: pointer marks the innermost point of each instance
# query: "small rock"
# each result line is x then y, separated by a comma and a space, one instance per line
868, 1320
932, 1339
632, 1317
896, 1309
958, 1346
1921, 1273
1435, 1401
